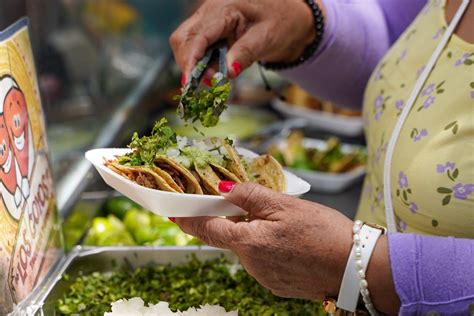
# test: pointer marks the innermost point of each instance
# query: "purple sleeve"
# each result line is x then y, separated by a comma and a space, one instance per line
432, 273
357, 34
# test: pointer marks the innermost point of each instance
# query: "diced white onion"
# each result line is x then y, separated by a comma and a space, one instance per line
185, 161
172, 152
135, 306
200, 145
182, 141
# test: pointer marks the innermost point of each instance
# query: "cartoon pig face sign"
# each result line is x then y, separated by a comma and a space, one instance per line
16, 118
7, 164
14, 122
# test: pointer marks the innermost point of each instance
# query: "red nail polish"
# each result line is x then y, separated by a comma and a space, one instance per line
207, 82
237, 67
173, 219
183, 80
226, 186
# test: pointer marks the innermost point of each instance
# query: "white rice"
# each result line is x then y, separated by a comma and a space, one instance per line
136, 307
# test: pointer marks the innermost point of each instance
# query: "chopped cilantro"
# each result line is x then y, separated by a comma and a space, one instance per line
190, 284
146, 148
205, 105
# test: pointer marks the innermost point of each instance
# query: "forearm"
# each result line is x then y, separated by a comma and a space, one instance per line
432, 273
357, 35
355, 39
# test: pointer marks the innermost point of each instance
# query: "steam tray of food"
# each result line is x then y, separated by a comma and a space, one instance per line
123, 280
329, 166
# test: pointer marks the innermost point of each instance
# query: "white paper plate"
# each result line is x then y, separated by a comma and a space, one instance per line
172, 204
334, 123
325, 181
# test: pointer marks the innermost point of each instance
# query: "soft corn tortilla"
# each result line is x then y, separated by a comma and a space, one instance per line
166, 176
268, 172
212, 174
224, 174
180, 175
142, 175
209, 178
235, 165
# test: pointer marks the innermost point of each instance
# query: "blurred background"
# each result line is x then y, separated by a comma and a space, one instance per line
106, 70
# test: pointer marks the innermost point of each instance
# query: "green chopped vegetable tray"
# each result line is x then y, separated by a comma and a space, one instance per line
181, 273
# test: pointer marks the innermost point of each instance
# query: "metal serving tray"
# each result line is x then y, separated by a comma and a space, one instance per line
103, 259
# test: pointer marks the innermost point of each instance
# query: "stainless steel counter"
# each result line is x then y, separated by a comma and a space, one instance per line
73, 183
345, 202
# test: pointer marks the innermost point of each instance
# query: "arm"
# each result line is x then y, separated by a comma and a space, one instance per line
357, 35
432, 273
305, 245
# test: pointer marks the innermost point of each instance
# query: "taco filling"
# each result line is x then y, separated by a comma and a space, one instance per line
183, 178
141, 175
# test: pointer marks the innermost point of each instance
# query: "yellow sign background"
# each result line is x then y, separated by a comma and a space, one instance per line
16, 60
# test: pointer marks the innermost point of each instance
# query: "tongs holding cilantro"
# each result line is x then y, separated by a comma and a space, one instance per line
205, 105
146, 148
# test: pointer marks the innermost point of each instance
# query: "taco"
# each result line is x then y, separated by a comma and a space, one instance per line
234, 163
209, 179
168, 178
144, 176
224, 174
211, 174
179, 174
268, 172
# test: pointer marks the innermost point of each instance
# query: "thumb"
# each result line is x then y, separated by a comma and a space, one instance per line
257, 200
214, 231
245, 51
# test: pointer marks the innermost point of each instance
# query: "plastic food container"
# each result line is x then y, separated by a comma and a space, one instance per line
330, 122
326, 181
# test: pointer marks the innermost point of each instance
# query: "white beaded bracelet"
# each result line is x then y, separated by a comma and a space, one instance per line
360, 269
364, 238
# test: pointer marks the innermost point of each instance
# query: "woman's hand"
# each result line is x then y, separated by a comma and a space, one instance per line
269, 30
293, 247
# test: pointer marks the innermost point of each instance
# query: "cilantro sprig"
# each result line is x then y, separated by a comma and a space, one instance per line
146, 148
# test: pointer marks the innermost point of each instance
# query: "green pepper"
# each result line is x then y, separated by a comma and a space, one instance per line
119, 206
136, 219
108, 231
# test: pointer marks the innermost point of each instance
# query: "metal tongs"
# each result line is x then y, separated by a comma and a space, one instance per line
217, 51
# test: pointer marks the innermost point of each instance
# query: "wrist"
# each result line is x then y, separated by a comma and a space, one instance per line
310, 30
339, 252
380, 279
308, 35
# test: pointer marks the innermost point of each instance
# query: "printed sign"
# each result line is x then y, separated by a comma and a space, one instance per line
30, 239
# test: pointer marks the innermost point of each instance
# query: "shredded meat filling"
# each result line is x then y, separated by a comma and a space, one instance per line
146, 180
174, 174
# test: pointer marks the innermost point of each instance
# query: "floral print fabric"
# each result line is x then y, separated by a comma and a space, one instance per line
433, 163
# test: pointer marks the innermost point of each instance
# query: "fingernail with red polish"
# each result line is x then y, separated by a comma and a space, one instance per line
207, 82
173, 219
183, 80
226, 186
236, 67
